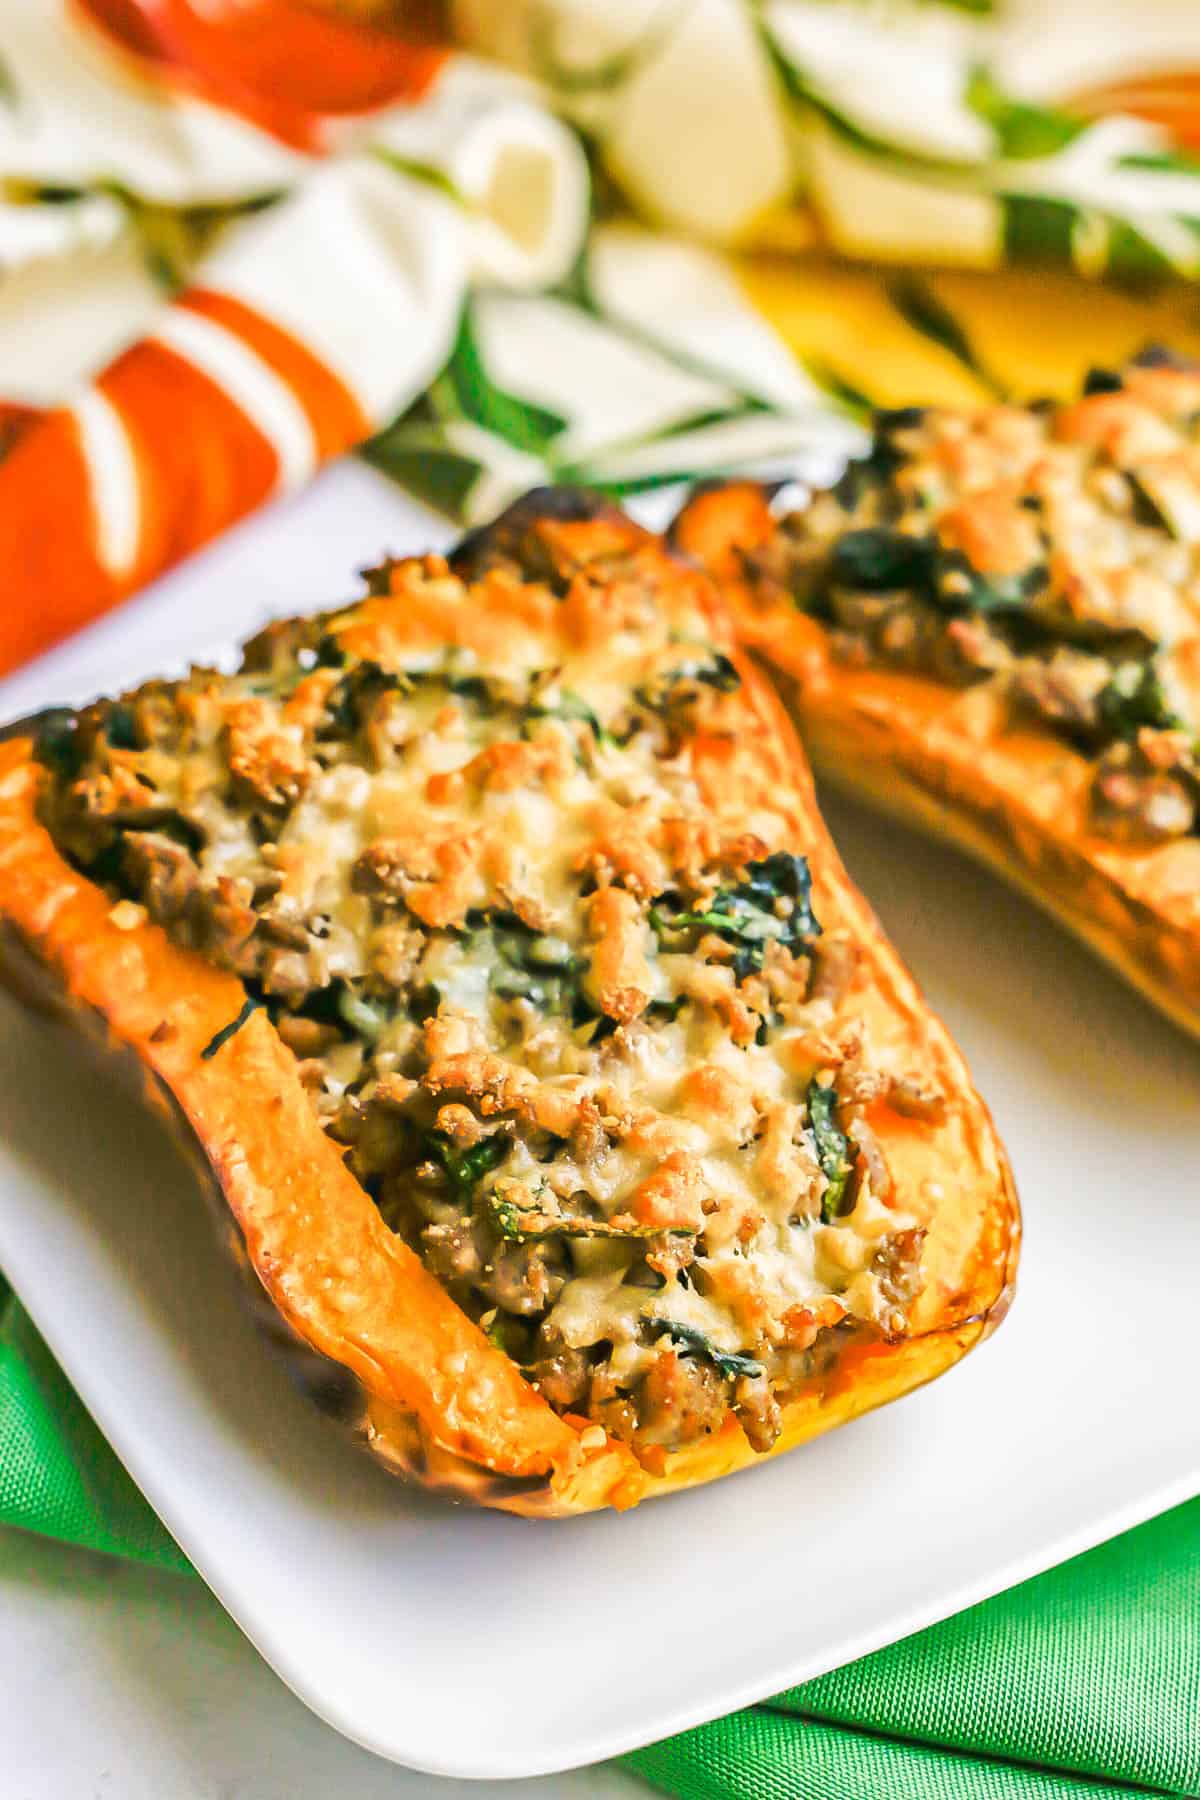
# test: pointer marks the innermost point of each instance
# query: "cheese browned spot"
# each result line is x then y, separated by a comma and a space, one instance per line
517, 868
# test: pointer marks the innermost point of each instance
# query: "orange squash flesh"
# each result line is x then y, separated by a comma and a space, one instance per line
1015, 800
433, 1398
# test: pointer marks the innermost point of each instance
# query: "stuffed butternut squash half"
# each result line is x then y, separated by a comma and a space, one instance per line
572, 1111
991, 626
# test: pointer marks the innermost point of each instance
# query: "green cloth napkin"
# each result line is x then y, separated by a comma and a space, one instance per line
1083, 1682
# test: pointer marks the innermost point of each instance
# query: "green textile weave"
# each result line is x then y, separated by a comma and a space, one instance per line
1083, 1684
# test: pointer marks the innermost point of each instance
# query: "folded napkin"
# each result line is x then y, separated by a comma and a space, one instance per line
277, 282
240, 238
1087, 1676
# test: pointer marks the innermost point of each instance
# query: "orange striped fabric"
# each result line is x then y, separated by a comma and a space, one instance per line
51, 569
325, 287
155, 459
335, 415
286, 67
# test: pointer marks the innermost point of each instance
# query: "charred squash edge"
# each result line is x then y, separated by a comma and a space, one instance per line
901, 741
369, 1331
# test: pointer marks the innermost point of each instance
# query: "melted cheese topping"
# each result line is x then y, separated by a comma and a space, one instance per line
1050, 555
518, 867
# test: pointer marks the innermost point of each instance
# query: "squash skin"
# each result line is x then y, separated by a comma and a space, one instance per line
1015, 802
363, 1324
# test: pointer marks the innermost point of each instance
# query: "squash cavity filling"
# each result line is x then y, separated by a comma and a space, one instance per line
516, 868
1045, 556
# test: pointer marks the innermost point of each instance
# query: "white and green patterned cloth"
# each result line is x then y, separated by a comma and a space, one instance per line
554, 339
918, 130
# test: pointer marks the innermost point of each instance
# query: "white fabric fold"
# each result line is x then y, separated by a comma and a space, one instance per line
365, 257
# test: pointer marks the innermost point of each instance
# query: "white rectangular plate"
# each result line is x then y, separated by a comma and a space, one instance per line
474, 1644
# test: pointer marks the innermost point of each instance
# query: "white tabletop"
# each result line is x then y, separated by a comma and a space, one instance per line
124, 1683
119, 1682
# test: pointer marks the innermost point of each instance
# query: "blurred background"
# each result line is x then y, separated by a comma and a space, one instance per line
626, 242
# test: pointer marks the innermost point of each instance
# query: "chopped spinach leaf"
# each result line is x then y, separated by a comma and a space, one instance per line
519, 1223
875, 559
729, 1363
329, 652
324, 1004
177, 826
1008, 593
676, 687
423, 1001
878, 560
766, 1024
467, 687
570, 706
465, 1169
773, 904
107, 867
598, 1025
56, 742
717, 672
222, 1037
366, 680
955, 582
510, 1335
783, 875
120, 727
359, 687
832, 1146
1134, 698
534, 966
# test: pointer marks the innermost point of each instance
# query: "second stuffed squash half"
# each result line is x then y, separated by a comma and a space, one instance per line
991, 627
564, 1095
